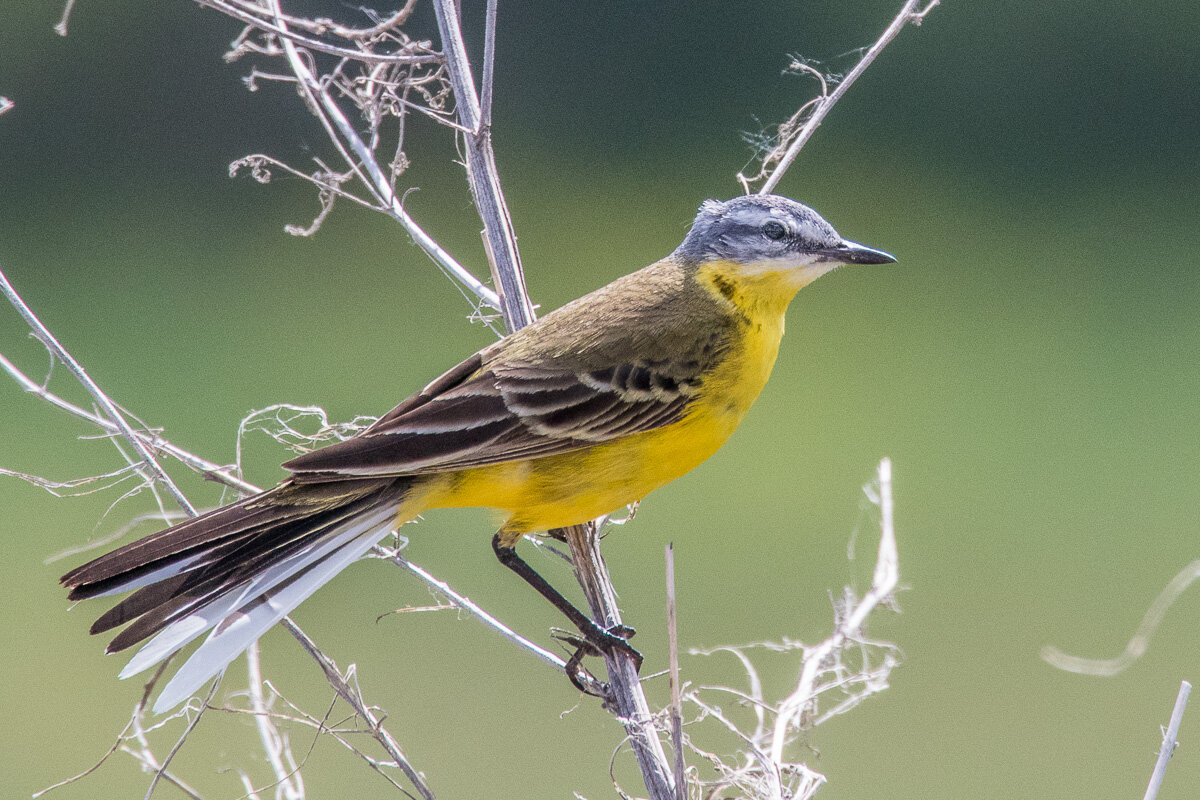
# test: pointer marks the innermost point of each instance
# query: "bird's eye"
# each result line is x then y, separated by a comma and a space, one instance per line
773, 230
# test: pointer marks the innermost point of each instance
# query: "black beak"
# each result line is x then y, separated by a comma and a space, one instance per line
854, 253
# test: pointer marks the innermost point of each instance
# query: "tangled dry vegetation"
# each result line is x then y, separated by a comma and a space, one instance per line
363, 84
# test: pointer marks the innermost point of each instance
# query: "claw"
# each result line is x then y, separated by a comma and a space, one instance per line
614, 642
583, 680
623, 631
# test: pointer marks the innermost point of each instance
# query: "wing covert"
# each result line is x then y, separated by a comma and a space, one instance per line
475, 416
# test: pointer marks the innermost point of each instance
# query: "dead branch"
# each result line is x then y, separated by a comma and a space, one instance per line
794, 134
275, 745
384, 74
1135, 648
847, 667
353, 697
1169, 742
147, 466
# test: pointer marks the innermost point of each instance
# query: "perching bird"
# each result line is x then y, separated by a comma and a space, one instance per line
585, 411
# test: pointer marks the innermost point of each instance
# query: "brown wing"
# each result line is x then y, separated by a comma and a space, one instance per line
473, 416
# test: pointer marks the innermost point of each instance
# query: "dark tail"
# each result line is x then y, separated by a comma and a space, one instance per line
238, 570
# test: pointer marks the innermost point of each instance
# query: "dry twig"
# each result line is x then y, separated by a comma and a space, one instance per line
676, 711
353, 696
847, 666
385, 74
799, 128
275, 744
1170, 741
145, 444
1135, 648
147, 466
887, 577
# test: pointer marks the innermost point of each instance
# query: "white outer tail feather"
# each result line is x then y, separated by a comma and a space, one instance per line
154, 576
256, 611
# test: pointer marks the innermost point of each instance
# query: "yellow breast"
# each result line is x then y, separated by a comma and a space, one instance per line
570, 488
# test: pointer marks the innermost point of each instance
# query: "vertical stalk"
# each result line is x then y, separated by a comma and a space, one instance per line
501, 243
499, 237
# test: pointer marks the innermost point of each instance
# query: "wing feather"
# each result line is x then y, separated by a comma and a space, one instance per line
478, 415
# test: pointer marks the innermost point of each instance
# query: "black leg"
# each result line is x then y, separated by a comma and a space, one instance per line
580, 678
606, 641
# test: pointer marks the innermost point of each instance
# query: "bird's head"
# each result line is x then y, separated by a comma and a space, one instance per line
769, 235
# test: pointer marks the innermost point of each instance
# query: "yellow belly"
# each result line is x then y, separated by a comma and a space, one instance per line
567, 489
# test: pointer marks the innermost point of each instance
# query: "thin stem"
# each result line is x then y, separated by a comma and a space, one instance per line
499, 236
884, 582
489, 64
286, 779
468, 605
148, 467
61, 27
352, 696
161, 769
625, 689
376, 179
323, 25
1170, 741
909, 13
281, 30
1135, 648
673, 657
209, 469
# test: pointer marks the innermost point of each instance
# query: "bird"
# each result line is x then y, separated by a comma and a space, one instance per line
572, 417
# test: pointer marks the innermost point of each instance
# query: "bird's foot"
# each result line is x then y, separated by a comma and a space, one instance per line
616, 640
611, 641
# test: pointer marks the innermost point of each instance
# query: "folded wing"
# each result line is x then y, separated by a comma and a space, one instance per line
475, 416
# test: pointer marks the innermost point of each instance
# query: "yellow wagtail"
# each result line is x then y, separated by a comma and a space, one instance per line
583, 412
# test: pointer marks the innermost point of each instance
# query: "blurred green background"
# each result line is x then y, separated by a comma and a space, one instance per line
1031, 365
